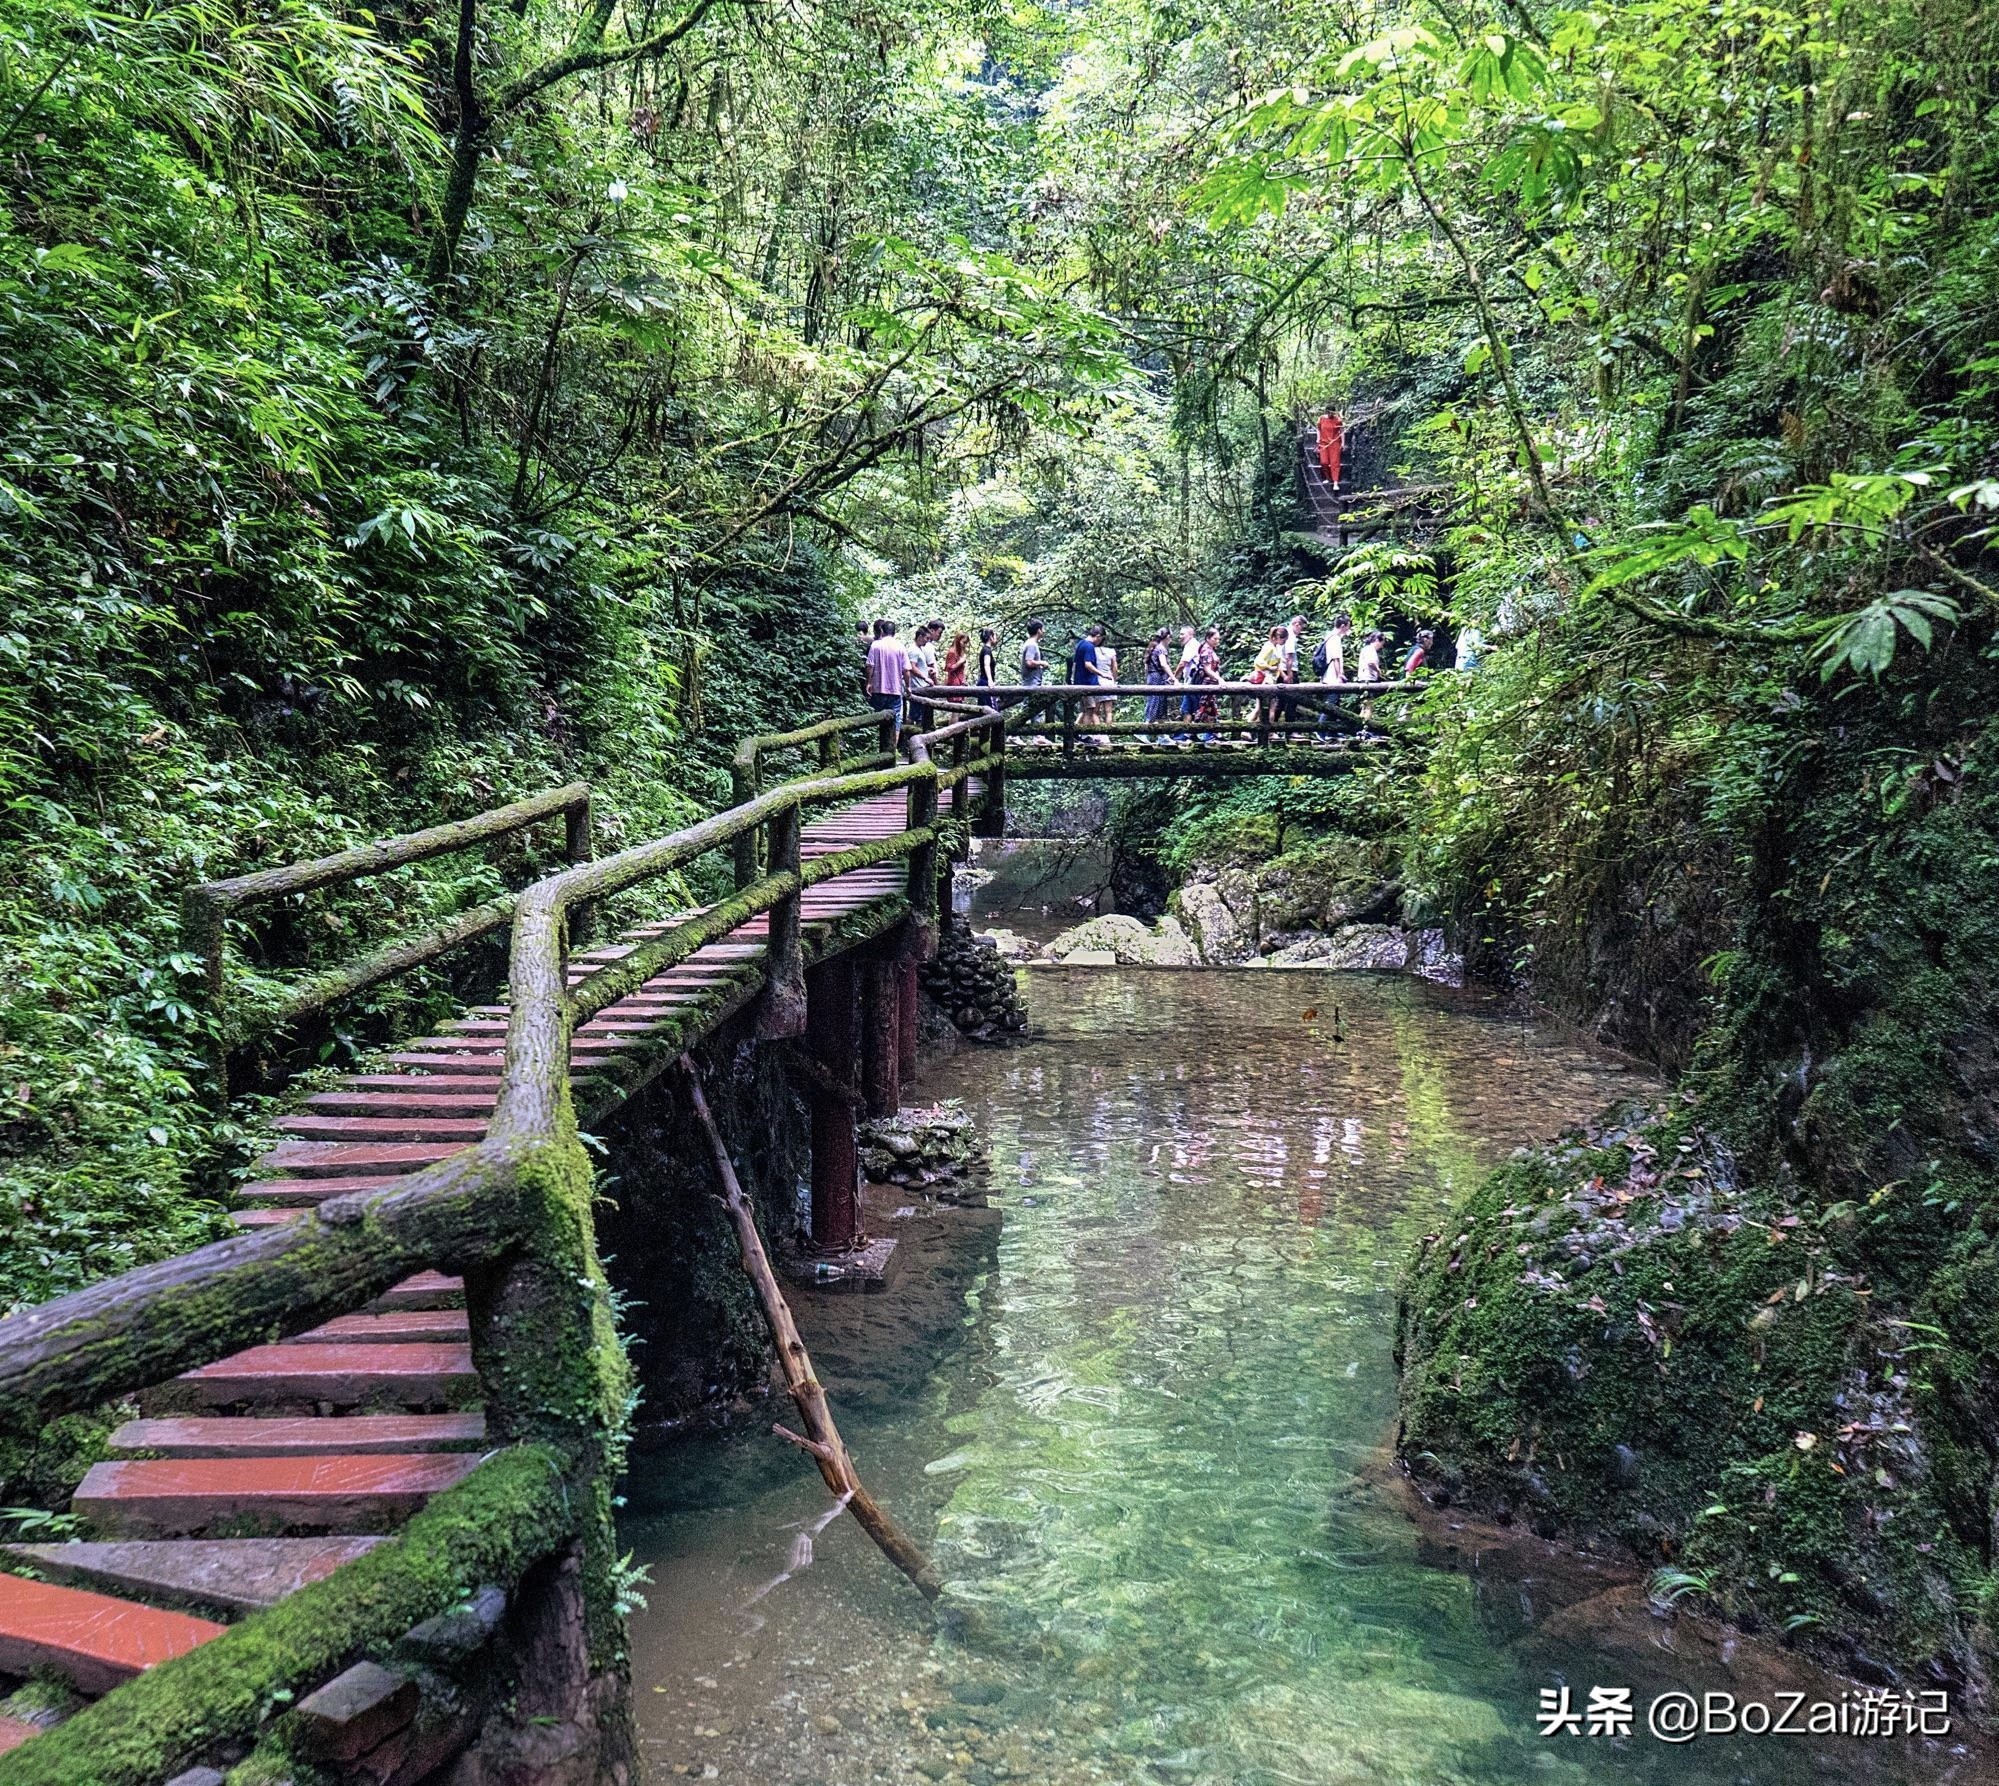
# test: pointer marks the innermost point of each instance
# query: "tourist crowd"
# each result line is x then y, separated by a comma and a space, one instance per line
895, 670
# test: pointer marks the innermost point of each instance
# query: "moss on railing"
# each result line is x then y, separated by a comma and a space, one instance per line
518, 1507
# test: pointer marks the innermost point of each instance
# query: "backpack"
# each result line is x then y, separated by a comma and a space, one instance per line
1320, 660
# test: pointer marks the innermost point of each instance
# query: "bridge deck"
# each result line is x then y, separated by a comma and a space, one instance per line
335, 1436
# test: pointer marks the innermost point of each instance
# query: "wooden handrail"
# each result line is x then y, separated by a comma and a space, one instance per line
206, 909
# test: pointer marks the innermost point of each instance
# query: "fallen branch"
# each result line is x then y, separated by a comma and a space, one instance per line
821, 1437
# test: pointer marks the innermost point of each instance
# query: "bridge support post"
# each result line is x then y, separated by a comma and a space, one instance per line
992, 810
832, 1033
553, 1373
784, 1001
922, 882
961, 789
881, 1032
905, 1013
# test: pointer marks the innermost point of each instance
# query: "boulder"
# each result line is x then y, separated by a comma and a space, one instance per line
1127, 942
1220, 915
1432, 957
1351, 946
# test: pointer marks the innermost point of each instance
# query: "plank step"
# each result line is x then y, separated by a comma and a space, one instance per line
358, 1435
232, 1576
423, 1083
399, 1327
169, 1496
346, 1375
382, 1128
416, 1099
314, 1190
428, 1289
334, 1159
92, 1640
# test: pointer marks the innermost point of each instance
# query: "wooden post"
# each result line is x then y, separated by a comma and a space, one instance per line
923, 859
881, 1033
961, 789
1068, 725
992, 811
832, 1031
202, 922
784, 1002
905, 1017
885, 735
743, 789
578, 846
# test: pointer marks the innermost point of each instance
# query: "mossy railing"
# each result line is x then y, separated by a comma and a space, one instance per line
512, 1214
206, 910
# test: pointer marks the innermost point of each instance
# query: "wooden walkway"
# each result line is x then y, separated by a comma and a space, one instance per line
264, 1471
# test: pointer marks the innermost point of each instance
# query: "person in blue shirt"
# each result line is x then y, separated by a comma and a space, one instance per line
1083, 658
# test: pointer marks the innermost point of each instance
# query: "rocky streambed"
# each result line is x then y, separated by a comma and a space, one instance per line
1170, 941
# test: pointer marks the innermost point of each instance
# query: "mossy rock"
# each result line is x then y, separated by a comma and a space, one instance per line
1616, 1337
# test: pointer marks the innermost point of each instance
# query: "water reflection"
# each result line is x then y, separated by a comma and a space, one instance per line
1142, 1428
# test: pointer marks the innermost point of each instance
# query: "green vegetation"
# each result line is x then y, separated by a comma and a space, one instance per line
406, 410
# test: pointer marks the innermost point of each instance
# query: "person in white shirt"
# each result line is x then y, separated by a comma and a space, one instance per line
1329, 663
1368, 670
1471, 647
1187, 672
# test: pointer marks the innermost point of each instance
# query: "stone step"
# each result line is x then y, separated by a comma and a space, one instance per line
397, 1327
168, 1496
91, 1640
230, 1576
382, 1128
357, 1435
425, 1376
428, 1289
334, 1159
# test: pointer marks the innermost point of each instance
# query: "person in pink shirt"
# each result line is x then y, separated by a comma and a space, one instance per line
887, 667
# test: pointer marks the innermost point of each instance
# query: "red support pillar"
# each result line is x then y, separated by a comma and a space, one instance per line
881, 1034
832, 1033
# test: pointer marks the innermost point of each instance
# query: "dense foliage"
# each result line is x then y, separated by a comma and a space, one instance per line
403, 410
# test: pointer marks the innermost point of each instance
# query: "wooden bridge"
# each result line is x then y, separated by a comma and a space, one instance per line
362, 1518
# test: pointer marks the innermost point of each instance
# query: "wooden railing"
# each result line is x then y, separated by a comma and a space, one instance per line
512, 1214
206, 910
1310, 708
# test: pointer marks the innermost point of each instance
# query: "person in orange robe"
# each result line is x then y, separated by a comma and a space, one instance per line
1331, 432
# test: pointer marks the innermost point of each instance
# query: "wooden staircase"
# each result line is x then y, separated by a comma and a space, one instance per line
256, 1474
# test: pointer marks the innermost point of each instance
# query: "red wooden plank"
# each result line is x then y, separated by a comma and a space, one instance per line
159, 1497
356, 1434
91, 1639
343, 1374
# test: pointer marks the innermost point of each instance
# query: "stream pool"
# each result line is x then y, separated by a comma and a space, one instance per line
1139, 1409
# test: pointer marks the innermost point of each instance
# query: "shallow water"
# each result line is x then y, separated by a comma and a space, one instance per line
1139, 1411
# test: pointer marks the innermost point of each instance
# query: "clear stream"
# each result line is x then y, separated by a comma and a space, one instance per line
1139, 1408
